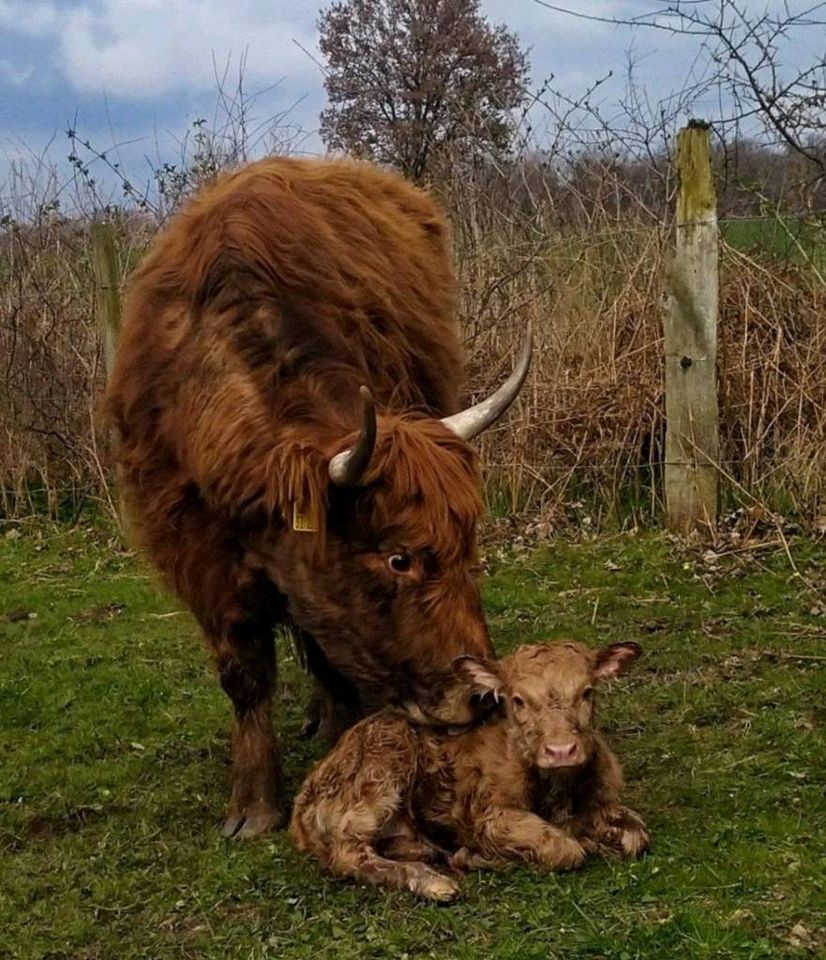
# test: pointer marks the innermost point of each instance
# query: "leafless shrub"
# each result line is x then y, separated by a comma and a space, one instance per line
584, 255
235, 134
51, 362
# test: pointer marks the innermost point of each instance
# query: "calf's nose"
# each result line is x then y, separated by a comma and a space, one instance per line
561, 754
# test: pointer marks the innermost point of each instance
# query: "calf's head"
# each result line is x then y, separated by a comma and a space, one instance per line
548, 690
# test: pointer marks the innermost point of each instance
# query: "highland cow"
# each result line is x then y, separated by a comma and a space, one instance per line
290, 445
534, 782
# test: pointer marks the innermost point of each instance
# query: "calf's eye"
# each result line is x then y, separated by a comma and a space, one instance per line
517, 701
400, 562
587, 692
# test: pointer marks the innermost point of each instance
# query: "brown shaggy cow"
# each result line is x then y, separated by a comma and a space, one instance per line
260, 479
535, 782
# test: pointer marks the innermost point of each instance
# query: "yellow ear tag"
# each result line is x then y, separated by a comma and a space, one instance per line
304, 522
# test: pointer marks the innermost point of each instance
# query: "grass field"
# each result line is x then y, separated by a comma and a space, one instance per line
113, 770
793, 239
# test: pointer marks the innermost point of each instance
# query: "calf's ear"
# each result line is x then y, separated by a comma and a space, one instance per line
615, 659
482, 675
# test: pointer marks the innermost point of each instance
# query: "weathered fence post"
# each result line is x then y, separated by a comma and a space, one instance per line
107, 289
104, 258
690, 322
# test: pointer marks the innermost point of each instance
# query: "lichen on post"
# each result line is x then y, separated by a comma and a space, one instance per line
107, 288
690, 322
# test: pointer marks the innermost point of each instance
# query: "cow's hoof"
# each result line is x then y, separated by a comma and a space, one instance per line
256, 819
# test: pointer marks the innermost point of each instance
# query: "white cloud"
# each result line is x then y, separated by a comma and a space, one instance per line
145, 49
28, 17
148, 48
16, 75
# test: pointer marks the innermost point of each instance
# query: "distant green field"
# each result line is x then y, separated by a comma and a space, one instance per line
794, 240
113, 771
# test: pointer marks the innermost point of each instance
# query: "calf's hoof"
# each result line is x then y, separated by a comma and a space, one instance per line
254, 820
627, 833
634, 841
567, 854
435, 886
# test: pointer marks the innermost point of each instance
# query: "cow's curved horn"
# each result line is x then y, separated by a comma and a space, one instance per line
347, 467
471, 422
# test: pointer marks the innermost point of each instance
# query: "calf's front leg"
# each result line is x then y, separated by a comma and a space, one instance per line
615, 828
504, 834
601, 822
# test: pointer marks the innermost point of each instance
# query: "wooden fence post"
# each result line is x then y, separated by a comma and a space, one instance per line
104, 258
690, 323
107, 289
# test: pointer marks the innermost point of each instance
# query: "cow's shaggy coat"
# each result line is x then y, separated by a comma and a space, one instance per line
250, 326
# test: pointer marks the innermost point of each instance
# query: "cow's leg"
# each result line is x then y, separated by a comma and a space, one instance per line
334, 703
327, 716
237, 605
245, 658
314, 711
520, 835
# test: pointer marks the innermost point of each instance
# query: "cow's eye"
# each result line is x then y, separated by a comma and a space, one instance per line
586, 693
517, 701
400, 562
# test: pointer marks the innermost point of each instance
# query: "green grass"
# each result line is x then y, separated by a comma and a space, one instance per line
113, 771
792, 239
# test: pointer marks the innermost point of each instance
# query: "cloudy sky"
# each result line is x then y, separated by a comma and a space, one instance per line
137, 72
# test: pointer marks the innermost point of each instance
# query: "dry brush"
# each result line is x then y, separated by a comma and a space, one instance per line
585, 260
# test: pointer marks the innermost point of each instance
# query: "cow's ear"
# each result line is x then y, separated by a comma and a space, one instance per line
615, 659
482, 675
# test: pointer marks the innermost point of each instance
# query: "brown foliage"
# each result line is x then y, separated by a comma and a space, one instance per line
535, 781
586, 263
584, 257
409, 79
51, 365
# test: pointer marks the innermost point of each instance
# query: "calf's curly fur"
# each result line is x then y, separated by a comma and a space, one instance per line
535, 782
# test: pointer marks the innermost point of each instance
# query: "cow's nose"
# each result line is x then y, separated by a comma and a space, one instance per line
561, 754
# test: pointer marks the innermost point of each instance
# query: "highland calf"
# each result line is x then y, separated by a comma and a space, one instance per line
535, 781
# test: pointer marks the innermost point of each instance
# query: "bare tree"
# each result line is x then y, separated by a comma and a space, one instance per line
764, 90
408, 79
